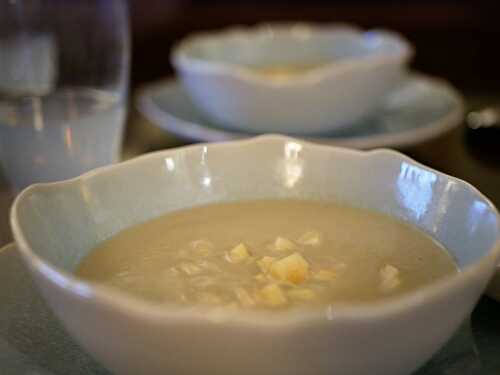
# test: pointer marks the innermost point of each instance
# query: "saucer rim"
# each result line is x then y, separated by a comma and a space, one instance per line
198, 132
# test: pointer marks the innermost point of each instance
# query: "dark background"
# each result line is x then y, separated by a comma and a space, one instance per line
457, 40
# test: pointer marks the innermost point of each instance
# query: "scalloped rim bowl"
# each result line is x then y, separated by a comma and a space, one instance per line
56, 224
355, 69
183, 52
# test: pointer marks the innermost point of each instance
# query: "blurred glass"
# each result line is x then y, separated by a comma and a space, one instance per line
63, 84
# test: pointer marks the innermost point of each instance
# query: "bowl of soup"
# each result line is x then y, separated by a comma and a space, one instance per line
290, 78
269, 255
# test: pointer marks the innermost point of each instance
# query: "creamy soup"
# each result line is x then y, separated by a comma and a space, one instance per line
284, 72
268, 254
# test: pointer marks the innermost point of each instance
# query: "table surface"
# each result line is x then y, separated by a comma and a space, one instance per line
473, 156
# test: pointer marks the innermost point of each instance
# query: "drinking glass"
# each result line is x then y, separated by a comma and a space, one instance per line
64, 68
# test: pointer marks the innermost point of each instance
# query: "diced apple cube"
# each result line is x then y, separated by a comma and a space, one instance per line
302, 294
265, 263
324, 275
389, 271
282, 244
273, 295
389, 278
310, 238
238, 253
293, 268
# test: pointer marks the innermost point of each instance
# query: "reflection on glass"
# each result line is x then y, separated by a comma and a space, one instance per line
415, 187
443, 206
68, 139
206, 179
476, 215
293, 164
169, 164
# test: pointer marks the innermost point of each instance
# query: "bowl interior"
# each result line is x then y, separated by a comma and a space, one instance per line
62, 222
300, 45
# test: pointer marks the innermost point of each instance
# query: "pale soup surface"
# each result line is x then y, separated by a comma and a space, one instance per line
268, 254
282, 73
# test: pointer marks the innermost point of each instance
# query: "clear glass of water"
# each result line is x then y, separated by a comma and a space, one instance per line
64, 67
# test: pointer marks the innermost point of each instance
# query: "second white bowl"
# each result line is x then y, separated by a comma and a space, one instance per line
351, 71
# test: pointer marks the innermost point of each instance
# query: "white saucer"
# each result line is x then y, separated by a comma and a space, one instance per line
32, 341
422, 108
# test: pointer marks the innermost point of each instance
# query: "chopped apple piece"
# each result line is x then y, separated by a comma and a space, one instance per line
244, 297
324, 275
302, 294
265, 263
389, 272
389, 278
273, 295
282, 244
310, 238
190, 269
238, 253
293, 268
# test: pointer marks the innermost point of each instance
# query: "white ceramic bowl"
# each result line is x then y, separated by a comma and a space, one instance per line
55, 225
356, 69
